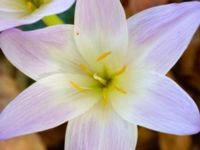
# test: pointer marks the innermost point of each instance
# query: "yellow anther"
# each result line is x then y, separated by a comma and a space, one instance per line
77, 87
85, 69
98, 78
120, 89
103, 56
122, 70
29, 5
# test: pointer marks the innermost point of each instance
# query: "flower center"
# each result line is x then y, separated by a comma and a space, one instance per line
101, 80
33, 4
105, 82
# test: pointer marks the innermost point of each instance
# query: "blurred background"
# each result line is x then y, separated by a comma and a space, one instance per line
186, 72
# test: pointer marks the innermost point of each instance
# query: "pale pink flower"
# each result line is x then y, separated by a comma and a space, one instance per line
105, 75
20, 12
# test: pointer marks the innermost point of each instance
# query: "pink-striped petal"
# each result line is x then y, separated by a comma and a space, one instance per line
158, 103
100, 129
158, 36
46, 104
100, 27
41, 52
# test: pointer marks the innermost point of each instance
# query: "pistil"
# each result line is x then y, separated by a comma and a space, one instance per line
100, 79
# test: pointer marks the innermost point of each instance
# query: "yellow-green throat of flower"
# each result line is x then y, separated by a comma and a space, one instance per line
105, 82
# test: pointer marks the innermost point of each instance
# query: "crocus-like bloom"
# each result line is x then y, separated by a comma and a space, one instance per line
104, 75
19, 12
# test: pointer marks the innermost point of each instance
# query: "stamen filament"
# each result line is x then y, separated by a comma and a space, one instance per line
101, 80
120, 89
103, 56
85, 69
77, 87
122, 70
105, 97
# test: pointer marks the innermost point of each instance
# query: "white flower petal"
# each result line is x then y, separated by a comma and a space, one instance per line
100, 129
10, 19
158, 103
51, 7
12, 6
158, 36
100, 26
46, 104
15, 12
41, 52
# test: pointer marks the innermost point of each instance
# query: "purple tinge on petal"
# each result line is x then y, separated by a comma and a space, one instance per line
42, 52
100, 129
46, 104
158, 103
158, 36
